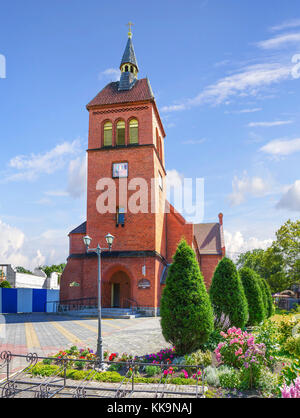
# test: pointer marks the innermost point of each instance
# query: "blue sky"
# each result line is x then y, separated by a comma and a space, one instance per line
225, 77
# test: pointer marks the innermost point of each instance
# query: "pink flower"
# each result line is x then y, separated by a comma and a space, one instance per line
238, 352
250, 341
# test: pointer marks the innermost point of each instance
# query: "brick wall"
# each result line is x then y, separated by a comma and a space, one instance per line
177, 228
208, 264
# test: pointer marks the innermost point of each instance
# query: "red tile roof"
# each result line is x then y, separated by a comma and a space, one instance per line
111, 95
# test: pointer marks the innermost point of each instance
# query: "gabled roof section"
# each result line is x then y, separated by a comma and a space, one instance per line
81, 229
129, 54
209, 238
111, 94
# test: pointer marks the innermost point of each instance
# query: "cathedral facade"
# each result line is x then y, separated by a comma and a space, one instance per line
126, 150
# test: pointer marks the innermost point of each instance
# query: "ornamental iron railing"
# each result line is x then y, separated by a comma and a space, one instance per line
23, 383
89, 304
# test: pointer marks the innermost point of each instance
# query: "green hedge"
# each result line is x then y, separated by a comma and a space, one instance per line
43, 370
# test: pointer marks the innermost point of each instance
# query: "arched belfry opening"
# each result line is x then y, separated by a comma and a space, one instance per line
120, 290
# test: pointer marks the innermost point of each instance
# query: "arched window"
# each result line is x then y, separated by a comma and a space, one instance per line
133, 131
126, 68
121, 133
160, 148
107, 135
157, 142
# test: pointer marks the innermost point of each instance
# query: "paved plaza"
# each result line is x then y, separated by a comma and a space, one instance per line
46, 334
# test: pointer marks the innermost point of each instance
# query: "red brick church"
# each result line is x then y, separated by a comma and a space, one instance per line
126, 140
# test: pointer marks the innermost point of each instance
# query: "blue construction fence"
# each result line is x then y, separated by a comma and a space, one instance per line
27, 300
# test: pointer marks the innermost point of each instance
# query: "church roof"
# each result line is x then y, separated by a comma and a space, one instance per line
81, 229
111, 95
127, 81
129, 55
209, 238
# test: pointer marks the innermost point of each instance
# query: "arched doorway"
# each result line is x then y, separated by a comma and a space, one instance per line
120, 290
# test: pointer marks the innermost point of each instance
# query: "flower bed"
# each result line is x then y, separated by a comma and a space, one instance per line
239, 364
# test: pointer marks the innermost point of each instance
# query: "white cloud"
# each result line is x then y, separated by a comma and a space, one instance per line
281, 147
247, 186
12, 243
253, 110
173, 108
174, 178
31, 166
194, 141
270, 124
77, 177
248, 82
294, 23
112, 73
291, 198
280, 41
236, 243
51, 247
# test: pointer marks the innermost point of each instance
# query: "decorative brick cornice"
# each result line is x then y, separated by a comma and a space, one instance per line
124, 109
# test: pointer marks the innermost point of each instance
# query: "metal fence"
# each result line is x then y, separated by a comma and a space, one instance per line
91, 303
22, 384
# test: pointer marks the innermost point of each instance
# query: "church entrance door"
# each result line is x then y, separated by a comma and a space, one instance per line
120, 290
115, 296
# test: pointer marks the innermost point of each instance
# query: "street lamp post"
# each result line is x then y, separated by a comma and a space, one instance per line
87, 241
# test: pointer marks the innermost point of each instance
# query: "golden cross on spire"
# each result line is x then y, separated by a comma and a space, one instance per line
130, 33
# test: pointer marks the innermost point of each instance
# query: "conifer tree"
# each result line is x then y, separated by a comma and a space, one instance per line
227, 294
186, 312
269, 298
254, 296
264, 295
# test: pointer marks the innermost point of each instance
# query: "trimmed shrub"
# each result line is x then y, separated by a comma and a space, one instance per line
186, 312
264, 295
152, 370
5, 284
79, 364
254, 296
227, 294
269, 298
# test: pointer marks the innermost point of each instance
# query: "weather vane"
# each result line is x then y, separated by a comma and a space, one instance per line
130, 24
